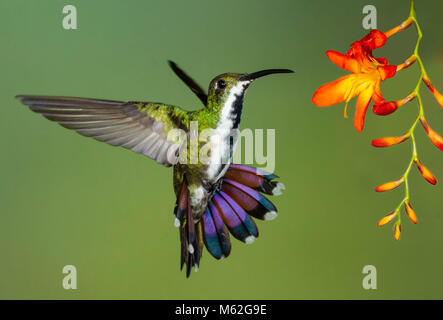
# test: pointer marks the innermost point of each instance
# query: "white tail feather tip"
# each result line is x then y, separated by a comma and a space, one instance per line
250, 239
271, 215
278, 189
191, 249
176, 223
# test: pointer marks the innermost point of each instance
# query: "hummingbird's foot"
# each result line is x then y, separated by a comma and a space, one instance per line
215, 187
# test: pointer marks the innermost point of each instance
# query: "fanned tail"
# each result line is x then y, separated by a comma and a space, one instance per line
191, 236
254, 178
233, 206
230, 210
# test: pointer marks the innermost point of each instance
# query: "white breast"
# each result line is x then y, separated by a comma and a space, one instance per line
220, 141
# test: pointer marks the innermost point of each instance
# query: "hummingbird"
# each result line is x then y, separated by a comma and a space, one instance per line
213, 199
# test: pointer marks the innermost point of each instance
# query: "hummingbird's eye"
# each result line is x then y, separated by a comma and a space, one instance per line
221, 84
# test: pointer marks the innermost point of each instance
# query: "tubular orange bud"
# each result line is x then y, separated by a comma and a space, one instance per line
435, 138
426, 173
386, 219
438, 96
397, 231
428, 83
405, 24
389, 141
425, 125
410, 212
408, 62
389, 185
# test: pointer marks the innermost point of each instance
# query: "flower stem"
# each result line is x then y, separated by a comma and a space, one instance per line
420, 115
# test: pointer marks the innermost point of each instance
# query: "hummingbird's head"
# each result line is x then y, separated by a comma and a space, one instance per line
232, 86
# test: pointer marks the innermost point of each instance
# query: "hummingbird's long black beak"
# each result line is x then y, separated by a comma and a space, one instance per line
259, 74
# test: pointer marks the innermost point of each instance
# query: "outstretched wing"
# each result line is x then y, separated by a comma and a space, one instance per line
198, 91
140, 126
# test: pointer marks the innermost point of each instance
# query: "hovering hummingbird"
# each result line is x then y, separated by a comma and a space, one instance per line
214, 198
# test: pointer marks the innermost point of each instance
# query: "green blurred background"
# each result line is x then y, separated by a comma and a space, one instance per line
65, 199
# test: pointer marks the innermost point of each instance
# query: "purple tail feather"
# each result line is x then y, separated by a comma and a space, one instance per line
232, 209
233, 206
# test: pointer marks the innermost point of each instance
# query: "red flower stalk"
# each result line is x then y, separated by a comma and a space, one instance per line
366, 74
391, 106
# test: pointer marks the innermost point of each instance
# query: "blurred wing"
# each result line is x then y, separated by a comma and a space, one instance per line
198, 91
140, 126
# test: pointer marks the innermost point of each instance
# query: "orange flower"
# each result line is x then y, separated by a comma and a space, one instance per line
438, 96
367, 74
